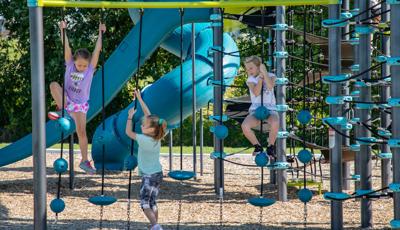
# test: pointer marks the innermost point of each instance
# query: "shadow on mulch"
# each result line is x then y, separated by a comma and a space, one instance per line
22, 224
170, 189
3, 213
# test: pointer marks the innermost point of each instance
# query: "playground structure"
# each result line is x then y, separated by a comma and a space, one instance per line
213, 66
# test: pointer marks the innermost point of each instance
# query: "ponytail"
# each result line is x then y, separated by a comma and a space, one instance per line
159, 125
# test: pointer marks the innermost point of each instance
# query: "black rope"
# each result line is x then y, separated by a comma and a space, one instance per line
305, 76
354, 138
357, 75
103, 109
181, 13
262, 91
62, 105
377, 79
136, 77
365, 195
373, 131
354, 16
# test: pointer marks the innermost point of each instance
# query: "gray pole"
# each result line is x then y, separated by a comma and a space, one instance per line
346, 91
71, 161
38, 117
386, 173
281, 99
365, 115
201, 141
218, 144
194, 132
395, 70
272, 173
335, 111
357, 112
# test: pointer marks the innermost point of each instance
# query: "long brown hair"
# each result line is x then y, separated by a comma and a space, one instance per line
159, 125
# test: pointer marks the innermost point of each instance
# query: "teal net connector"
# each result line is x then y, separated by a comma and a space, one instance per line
354, 120
332, 23
334, 120
283, 134
395, 224
393, 2
366, 140
355, 68
346, 15
354, 41
362, 192
336, 196
217, 155
280, 27
281, 54
215, 17
394, 102
355, 147
282, 108
393, 61
360, 84
394, 187
337, 100
281, 81
355, 93
364, 30
389, 79
365, 106
334, 79
33, 3
268, 63
381, 58
384, 106
218, 118
385, 133
347, 126
385, 155
355, 177
216, 24
394, 143
355, 11
279, 165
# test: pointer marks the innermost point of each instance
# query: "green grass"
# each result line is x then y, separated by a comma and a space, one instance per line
176, 149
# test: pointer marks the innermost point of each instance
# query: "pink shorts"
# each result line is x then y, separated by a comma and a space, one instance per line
75, 107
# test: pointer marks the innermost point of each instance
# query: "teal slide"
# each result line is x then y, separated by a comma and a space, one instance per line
160, 28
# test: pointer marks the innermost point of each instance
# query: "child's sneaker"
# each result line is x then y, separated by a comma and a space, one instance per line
257, 149
271, 152
290, 159
54, 115
85, 166
156, 227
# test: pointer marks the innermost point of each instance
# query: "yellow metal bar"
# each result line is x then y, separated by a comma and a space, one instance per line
202, 4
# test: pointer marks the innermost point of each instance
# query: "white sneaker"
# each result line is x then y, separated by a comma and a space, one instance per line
157, 227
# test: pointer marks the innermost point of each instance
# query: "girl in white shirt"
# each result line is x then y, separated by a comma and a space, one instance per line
259, 79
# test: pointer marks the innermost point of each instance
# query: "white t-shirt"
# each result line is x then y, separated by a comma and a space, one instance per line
268, 95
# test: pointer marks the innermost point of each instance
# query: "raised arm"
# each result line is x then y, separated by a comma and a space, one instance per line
128, 128
270, 81
146, 110
68, 51
256, 88
97, 49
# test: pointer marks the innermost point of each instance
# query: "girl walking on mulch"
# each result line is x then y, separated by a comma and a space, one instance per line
149, 142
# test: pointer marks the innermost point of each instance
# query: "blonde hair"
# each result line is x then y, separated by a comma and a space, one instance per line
253, 59
159, 125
